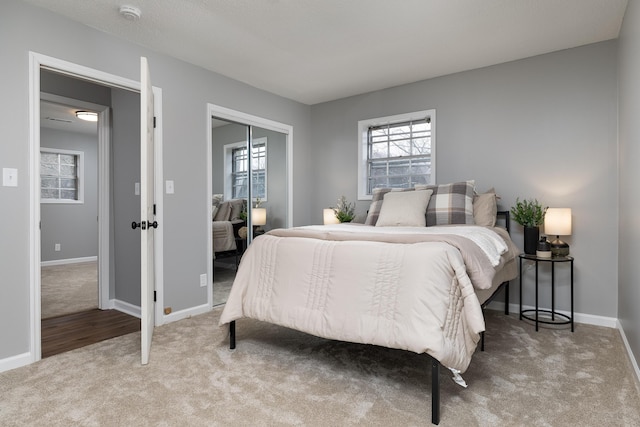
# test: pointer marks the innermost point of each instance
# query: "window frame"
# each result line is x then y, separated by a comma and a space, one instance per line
363, 147
228, 167
79, 176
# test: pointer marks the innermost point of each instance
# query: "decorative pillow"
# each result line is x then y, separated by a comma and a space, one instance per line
485, 208
237, 206
450, 203
223, 212
376, 203
404, 208
214, 211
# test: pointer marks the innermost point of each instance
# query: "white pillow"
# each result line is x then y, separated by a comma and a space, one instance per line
404, 209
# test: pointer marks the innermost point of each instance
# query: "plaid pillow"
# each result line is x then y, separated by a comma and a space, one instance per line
450, 203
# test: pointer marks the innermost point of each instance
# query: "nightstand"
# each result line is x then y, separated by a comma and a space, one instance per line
551, 317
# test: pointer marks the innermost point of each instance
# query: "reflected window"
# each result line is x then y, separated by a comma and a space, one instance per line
61, 176
237, 157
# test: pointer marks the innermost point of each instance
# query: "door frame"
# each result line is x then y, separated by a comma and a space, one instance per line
37, 62
250, 120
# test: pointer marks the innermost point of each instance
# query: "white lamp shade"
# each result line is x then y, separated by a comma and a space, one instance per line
557, 221
258, 216
329, 216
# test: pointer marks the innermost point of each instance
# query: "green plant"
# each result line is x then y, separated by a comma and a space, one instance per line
529, 212
344, 210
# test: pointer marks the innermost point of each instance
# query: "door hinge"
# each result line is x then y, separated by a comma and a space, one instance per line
154, 122
154, 296
154, 208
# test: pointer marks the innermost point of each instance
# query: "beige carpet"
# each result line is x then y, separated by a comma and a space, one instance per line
223, 275
282, 377
69, 288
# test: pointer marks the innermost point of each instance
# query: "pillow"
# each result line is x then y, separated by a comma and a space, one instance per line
214, 211
376, 203
223, 212
237, 206
485, 208
404, 208
450, 203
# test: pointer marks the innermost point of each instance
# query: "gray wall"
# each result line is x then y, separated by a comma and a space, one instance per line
186, 91
73, 226
629, 158
543, 127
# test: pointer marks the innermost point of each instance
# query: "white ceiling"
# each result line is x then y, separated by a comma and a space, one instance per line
63, 117
320, 50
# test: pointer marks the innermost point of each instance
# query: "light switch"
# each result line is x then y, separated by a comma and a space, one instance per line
169, 187
9, 177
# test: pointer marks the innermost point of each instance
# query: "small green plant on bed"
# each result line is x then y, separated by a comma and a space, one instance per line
528, 213
344, 210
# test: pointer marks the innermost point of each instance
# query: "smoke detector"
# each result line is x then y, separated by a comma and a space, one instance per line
131, 13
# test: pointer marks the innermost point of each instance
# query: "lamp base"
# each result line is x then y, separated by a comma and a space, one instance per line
559, 248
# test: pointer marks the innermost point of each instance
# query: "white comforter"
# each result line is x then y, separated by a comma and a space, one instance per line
414, 296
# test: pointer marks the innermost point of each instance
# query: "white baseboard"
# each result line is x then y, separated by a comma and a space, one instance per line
17, 361
125, 307
68, 261
189, 312
632, 358
587, 319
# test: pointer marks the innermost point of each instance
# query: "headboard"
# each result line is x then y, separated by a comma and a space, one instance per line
506, 217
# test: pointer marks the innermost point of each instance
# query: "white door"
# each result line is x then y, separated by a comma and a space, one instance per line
147, 216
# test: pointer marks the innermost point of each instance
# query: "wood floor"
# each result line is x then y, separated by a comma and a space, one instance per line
64, 333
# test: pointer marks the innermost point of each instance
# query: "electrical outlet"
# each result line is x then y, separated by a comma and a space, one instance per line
203, 280
57, 247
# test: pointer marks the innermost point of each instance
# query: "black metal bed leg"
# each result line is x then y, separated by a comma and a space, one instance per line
482, 341
435, 391
232, 335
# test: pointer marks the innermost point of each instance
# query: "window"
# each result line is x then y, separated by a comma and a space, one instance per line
61, 176
237, 166
396, 152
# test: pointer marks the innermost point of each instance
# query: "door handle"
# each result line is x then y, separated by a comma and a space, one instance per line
143, 224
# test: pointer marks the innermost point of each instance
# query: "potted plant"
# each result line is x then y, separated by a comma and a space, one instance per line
529, 213
344, 210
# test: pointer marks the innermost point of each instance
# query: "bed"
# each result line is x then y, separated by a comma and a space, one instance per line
392, 281
227, 220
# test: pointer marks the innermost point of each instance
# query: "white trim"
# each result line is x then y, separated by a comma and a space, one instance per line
16, 361
159, 199
247, 119
68, 261
36, 62
363, 126
632, 358
587, 319
128, 308
188, 312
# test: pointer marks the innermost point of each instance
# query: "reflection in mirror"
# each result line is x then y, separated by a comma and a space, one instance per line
236, 220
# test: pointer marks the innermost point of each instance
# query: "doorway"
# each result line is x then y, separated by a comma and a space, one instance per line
109, 297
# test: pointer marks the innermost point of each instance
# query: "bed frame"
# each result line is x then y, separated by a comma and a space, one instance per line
435, 364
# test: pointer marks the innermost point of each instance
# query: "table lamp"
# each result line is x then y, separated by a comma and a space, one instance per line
258, 217
329, 216
557, 221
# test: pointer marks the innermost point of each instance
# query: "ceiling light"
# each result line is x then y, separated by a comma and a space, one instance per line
89, 116
131, 13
